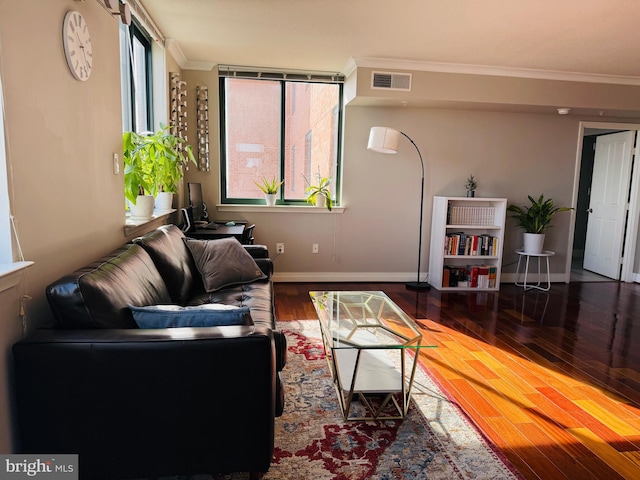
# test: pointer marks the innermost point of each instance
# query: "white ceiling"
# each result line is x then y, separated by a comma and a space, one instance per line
599, 37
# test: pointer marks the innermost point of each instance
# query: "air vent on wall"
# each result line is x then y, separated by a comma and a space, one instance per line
391, 81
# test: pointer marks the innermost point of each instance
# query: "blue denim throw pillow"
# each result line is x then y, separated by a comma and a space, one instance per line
209, 315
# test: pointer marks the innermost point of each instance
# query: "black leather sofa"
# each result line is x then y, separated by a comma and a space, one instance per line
151, 402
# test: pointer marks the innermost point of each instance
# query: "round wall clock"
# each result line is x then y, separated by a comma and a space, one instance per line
77, 45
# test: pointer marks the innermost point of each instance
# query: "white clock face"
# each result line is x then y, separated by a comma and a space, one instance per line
77, 45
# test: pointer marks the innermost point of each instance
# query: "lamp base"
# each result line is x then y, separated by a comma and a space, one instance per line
417, 286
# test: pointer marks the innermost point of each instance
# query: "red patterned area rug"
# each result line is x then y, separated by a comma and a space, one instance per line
435, 441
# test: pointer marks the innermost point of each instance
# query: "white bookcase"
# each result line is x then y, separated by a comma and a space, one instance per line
458, 225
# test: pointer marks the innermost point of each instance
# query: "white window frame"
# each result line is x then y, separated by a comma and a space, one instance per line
9, 264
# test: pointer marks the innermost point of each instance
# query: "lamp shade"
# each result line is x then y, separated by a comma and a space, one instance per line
383, 140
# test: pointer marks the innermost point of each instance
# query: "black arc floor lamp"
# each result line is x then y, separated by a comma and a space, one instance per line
385, 140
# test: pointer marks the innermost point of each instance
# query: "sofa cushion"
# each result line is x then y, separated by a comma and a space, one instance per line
223, 263
98, 295
170, 316
174, 262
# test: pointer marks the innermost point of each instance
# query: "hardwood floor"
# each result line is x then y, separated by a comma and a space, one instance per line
552, 379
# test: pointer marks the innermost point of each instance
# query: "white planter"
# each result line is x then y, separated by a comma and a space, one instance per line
270, 198
143, 209
533, 242
321, 201
164, 201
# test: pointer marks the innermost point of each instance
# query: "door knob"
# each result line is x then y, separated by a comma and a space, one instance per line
590, 210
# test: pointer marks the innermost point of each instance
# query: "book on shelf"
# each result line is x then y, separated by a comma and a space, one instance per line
473, 276
470, 215
455, 276
460, 243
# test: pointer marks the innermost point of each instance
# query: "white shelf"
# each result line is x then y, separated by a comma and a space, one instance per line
472, 227
491, 211
376, 372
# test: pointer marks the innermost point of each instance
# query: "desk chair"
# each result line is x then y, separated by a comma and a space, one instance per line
247, 237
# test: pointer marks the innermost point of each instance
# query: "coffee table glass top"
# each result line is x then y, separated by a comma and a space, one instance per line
364, 320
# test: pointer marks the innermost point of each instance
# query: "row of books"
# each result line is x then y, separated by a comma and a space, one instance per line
470, 215
473, 276
460, 243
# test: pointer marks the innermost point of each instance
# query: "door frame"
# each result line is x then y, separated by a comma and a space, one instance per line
631, 235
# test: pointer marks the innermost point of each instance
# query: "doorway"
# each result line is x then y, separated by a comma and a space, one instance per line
589, 132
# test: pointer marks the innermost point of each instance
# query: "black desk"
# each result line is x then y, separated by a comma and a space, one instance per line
223, 231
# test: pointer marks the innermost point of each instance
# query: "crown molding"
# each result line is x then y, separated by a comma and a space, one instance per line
395, 64
178, 55
203, 66
350, 67
175, 51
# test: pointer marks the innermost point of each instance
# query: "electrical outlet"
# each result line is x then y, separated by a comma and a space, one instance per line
314, 248
279, 247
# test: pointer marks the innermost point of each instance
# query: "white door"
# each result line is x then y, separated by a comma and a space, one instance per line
608, 203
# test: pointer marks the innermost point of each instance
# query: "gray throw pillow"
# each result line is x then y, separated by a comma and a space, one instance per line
172, 316
223, 263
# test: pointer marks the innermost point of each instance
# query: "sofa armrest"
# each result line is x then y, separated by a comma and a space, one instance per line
266, 265
260, 254
154, 402
257, 251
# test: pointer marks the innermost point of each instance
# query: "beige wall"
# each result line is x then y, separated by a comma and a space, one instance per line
61, 134
511, 154
376, 238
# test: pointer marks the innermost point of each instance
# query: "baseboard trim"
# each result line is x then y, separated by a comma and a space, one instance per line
533, 278
301, 277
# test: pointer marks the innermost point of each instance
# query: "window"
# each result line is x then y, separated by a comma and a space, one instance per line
135, 58
6, 255
11, 259
278, 125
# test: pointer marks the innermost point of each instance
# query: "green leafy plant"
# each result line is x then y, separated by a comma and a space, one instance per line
536, 218
269, 187
139, 173
153, 163
471, 183
320, 189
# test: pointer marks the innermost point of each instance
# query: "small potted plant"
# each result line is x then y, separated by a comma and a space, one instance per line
270, 189
535, 219
471, 186
319, 194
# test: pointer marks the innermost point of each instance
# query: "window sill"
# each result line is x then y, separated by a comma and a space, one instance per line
279, 209
9, 274
132, 227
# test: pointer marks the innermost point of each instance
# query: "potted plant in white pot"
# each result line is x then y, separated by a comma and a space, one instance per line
535, 219
139, 177
166, 152
319, 194
156, 163
270, 189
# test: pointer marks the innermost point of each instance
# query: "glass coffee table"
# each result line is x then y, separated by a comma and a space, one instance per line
367, 340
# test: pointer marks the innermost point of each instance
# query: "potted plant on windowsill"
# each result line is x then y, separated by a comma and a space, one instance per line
172, 157
535, 219
154, 165
139, 177
270, 189
319, 194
